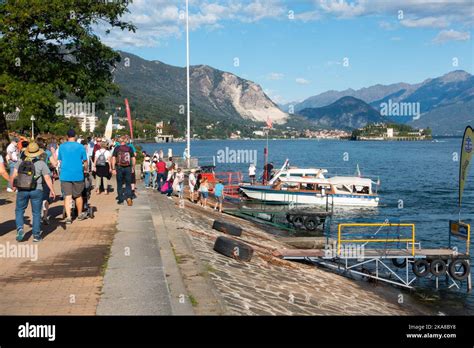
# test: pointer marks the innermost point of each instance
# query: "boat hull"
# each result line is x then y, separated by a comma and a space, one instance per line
267, 194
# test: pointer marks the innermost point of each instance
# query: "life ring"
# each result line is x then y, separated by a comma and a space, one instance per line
438, 267
454, 270
421, 268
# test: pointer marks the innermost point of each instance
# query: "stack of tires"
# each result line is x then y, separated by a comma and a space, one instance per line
300, 221
457, 268
229, 246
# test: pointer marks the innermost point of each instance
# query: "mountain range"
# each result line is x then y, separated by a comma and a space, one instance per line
222, 102
445, 103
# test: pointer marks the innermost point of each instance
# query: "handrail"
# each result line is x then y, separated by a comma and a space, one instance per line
379, 240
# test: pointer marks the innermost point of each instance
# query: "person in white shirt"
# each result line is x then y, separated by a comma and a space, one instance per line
192, 183
179, 180
146, 171
12, 159
103, 169
252, 170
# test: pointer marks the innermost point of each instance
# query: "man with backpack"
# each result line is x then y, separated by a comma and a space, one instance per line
73, 163
28, 177
123, 160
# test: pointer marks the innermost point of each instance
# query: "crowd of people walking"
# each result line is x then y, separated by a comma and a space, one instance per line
31, 168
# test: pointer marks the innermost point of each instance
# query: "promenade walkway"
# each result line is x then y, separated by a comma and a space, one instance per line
66, 278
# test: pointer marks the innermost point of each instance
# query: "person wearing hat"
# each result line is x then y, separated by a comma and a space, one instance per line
41, 178
12, 157
73, 163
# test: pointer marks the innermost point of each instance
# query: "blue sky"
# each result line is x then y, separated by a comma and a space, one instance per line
296, 49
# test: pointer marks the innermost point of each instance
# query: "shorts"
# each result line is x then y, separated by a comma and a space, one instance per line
205, 194
220, 199
72, 188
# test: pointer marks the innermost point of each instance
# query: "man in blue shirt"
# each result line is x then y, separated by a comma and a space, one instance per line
219, 194
73, 159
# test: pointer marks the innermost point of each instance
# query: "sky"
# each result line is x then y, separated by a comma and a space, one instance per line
297, 49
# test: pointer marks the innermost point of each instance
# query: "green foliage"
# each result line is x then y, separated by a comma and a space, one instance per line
49, 51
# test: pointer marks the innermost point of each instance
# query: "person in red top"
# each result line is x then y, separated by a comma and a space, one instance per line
161, 173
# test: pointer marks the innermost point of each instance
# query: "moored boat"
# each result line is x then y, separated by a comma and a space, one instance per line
339, 191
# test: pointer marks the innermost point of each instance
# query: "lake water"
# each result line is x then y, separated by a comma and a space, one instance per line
423, 175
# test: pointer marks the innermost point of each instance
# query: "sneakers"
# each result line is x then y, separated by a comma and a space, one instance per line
19, 235
37, 239
82, 216
68, 221
9, 190
129, 202
45, 220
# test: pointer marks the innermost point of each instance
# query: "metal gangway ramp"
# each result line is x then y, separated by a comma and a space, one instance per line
389, 252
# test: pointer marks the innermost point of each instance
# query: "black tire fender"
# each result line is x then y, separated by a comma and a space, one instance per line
421, 268
298, 221
227, 228
233, 248
399, 264
311, 223
452, 269
438, 267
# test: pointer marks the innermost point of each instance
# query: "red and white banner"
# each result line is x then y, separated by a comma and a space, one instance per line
129, 117
269, 122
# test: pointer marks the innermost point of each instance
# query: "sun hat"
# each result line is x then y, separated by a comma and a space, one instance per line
33, 150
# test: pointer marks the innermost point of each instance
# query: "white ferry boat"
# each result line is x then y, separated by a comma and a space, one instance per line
311, 187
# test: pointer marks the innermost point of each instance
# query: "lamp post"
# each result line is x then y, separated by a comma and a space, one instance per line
33, 119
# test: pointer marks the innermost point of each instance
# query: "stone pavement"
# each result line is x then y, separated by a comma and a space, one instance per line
67, 276
135, 282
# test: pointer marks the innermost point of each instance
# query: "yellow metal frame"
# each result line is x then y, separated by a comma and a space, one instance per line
340, 241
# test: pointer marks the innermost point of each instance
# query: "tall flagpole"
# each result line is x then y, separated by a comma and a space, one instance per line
188, 122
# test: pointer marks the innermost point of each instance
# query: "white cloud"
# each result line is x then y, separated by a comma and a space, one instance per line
459, 11
344, 9
451, 35
275, 76
308, 16
157, 20
426, 22
302, 81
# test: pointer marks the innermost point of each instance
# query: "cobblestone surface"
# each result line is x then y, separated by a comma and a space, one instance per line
270, 286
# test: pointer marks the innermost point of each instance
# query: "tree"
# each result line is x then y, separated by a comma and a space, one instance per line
49, 50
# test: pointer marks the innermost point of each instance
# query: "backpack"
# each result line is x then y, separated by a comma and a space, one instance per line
123, 158
101, 160
26, 176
